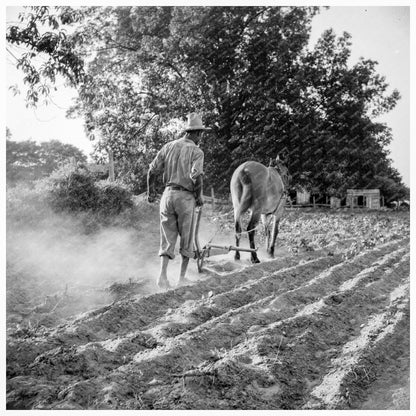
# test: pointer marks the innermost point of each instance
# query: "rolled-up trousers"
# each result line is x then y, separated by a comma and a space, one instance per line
176, 219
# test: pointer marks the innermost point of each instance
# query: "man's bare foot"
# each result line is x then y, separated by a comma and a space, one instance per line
164, 284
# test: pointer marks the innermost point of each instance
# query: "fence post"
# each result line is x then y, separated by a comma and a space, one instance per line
213, 198
111, 165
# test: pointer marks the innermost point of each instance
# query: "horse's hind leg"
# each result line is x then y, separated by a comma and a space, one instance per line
266, 228
241, 203
275, 231
251, 229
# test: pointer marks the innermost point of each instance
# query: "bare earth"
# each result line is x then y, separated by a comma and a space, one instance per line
325, 325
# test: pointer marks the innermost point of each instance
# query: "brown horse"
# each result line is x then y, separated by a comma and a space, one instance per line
261, 190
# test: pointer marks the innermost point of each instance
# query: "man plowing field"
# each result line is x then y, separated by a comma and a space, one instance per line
181, 162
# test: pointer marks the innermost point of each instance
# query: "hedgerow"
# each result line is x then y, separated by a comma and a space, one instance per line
68, 190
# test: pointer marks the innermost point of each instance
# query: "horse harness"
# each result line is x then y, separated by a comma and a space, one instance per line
285, 181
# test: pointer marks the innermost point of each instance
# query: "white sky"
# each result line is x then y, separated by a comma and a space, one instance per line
382, 34
378, 32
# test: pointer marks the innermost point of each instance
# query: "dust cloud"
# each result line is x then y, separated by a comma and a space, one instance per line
57, 254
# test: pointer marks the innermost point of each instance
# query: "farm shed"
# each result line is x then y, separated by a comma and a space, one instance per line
335, 202
303, 197
369, 198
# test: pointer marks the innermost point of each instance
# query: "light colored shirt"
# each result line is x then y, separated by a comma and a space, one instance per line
181, 161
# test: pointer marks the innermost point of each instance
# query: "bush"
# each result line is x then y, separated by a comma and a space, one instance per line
70, 190
113, 198
27, 203
74, 190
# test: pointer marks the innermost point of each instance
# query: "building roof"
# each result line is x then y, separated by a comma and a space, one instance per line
363, 191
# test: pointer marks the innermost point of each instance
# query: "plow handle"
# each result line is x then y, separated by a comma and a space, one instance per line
197, 247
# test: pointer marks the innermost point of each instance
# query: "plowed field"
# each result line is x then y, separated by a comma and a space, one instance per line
324, 325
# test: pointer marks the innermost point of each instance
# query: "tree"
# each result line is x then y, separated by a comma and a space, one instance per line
232, 64
27, 160
248, 71
50, 52
337, 140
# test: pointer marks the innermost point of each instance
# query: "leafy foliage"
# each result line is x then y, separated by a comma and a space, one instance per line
27, 160
342, 147
26, 204
248, 71
205, 59
113, 198
72, 189
50, 52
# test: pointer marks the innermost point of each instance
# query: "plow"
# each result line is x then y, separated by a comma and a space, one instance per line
209, 249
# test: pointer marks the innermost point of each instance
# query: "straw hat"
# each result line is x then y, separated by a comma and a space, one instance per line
195, 123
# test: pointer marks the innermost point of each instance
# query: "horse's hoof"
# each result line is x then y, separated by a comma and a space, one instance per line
256, 260
237, 257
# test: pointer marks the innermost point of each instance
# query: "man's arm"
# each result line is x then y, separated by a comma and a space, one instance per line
151, 192
154, 168
197, 174
198, 191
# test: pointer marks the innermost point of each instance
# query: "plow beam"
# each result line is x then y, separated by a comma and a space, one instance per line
200, 254
231, 248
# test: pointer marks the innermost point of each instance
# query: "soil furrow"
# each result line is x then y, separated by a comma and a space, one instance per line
295, 354
118, 319
210, 328
200, 347
126, 316
318, 337
302, 332
51, 362
206, 310
332, 393
381, 379
261, 290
